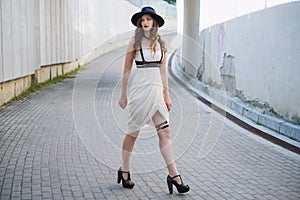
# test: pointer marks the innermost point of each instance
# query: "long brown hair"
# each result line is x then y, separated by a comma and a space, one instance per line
154, 36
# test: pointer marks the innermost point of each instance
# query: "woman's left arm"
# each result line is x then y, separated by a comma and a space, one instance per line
164, 77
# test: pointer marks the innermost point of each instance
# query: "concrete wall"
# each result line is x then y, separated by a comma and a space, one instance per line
263, 50
41, 39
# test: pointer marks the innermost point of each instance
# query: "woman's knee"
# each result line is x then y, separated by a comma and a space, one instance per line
133, 135
129, 140
164, 134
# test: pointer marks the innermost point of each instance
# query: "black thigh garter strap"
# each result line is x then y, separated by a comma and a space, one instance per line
162, 126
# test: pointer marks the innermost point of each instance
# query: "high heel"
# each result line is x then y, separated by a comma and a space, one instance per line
181, 188
126, 183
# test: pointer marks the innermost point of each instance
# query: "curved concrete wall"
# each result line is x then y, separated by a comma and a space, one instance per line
262, 49
39, 33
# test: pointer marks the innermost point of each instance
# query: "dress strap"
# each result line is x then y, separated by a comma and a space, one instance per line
141, 51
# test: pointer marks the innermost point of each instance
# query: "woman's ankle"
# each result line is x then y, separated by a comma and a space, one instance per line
176, 178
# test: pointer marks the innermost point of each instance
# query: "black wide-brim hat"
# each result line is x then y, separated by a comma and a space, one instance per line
150, 11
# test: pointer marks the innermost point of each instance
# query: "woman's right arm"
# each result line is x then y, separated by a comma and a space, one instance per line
127, 69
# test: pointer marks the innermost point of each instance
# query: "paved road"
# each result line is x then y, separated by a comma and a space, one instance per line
63, 142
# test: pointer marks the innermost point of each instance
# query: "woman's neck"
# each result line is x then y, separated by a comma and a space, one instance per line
147, 34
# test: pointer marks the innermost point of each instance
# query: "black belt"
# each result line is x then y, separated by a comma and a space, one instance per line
148, 65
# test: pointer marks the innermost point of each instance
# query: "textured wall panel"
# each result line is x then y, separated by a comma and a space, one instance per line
48, 45
7, 45
52, 31
25, 54
58, 32
1, 61
65, 30
16, 39
43, 37
33, 35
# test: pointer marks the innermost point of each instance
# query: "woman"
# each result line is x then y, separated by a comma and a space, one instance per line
149, 101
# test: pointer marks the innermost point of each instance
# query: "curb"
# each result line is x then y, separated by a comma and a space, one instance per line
271, 128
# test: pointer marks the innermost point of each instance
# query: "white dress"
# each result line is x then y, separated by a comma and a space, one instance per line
146, 90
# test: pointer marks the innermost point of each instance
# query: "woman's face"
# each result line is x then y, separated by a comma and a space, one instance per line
147, 22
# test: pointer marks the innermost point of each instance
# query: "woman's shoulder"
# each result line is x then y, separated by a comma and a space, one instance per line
163, 41
132, 39
131, 42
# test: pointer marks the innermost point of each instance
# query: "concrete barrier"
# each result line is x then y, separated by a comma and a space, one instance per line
13, 88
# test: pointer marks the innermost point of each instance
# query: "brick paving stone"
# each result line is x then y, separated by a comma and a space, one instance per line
64, 142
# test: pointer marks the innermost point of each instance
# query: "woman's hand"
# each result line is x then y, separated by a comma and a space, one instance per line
123, 102
168, 102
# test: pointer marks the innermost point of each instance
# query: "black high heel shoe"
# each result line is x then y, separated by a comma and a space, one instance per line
126, 183
181, 188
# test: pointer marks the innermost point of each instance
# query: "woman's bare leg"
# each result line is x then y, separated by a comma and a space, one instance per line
166, 146
127, 148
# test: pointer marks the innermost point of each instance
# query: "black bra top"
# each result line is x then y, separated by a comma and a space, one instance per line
149, 62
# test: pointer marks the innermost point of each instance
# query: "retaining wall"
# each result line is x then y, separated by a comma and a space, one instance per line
256, 57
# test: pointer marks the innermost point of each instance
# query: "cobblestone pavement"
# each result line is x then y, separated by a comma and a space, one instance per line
63, 142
